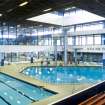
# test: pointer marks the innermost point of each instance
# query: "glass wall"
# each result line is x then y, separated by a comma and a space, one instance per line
87, 27
11, 34
85, 40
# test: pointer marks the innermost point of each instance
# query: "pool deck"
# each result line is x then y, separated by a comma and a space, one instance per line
63, 90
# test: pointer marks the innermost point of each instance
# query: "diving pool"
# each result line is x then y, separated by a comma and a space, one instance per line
64, 75
16, 92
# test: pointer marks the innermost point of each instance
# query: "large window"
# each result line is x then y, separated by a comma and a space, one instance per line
0, 32
97, 39
78, 40
5, 31
90, 26
58, 42
70, 42
71, 29
84, 41
46, 42
79, 28
90, 40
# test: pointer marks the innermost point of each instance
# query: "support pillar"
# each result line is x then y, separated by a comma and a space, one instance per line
74, 49
65, 45
55, 50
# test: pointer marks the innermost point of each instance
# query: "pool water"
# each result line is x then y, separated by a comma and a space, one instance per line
66, 74
16, 92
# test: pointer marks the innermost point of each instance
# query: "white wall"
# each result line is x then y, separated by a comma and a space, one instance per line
23, 48
89, 48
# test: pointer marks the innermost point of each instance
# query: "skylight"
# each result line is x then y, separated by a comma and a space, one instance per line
48, 18
75, 16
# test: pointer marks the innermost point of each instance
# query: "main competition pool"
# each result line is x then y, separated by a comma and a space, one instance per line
16, 92
58, 75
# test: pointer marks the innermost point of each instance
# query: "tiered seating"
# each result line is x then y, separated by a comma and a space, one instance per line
98, 99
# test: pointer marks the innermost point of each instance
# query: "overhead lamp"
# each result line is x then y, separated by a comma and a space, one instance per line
24, 3
40, 25
1, 14
18, 25
10, 10
70, 8
11, 27
47, 9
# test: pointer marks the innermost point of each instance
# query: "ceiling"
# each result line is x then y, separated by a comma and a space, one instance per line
13, 12
94, 6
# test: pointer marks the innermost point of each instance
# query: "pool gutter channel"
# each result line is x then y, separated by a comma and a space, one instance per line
18, 92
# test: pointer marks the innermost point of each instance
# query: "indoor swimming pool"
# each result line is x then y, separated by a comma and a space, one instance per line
16, 92
65, 75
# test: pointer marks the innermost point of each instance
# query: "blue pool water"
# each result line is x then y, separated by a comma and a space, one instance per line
16, 92
66, 74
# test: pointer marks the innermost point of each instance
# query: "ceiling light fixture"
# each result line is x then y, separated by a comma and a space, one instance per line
40, 25
23, 4
47, 9
70, 8
18, 25
11, 27
10, 10
1, 14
